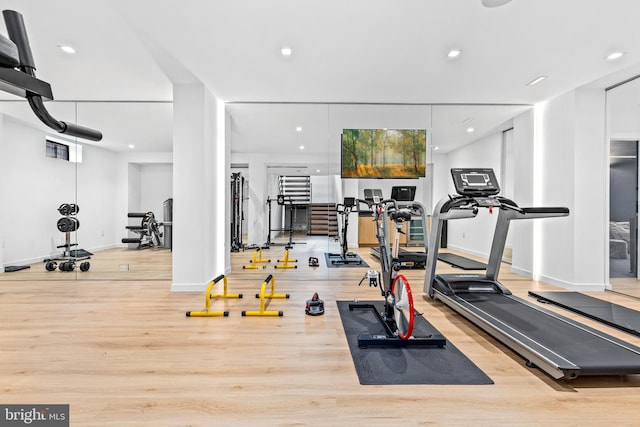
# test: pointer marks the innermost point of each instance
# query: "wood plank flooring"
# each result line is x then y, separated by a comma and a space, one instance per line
122, 352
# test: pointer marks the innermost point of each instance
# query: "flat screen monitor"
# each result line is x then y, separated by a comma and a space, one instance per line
405, 193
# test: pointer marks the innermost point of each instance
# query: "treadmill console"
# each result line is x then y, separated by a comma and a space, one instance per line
475, 182
372, 196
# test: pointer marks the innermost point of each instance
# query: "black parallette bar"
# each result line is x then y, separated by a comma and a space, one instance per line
268, 279
217, 279
136, 214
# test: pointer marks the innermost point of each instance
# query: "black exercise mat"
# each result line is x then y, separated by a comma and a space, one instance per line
331, 257
461, 262
614, 315
415, 365
12, 268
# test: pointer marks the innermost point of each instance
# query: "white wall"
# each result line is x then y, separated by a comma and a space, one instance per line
156, 186
476, 234
573, 172
522, 231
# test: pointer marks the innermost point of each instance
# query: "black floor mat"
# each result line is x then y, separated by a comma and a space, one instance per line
334, 261
12, 268
405, 365
461, 262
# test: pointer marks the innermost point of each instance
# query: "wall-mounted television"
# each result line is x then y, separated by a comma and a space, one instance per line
383, 153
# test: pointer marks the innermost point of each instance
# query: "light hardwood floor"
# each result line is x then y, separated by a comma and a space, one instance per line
122, 352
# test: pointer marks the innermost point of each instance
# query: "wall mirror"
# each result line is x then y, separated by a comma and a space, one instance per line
298, 147
623, 113
129, 171
293, 150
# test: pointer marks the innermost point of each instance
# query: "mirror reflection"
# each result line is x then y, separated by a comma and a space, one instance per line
623, 112
294, 199
75, 196
300, 195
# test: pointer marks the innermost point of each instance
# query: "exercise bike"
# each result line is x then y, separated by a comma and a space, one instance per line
345, 257
397, 317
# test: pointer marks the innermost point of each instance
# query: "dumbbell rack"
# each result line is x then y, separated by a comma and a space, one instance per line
67, 224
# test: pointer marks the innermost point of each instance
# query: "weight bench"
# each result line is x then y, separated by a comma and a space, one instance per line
148, 231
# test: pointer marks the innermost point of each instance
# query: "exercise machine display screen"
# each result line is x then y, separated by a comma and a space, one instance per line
475, 182
403, 194
372, 196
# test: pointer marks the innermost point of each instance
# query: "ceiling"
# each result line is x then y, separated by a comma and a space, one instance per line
356, 51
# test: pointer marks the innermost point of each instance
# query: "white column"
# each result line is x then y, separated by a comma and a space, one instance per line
199, 167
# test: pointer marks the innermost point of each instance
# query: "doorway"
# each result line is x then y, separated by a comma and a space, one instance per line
623, 209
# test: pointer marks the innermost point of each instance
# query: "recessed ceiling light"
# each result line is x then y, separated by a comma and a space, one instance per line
67, 49
286, 51
536, 80
614, 55
132, 146
454, 53
302, 147
470, 130
317, 170
494, 3
299, 129
436, 148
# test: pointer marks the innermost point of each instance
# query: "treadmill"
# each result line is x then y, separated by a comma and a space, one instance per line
406, 258
559, 346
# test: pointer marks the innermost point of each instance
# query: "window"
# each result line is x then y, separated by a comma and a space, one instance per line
55, 150
60, 149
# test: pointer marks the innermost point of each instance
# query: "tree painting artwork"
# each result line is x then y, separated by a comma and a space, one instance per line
384, 153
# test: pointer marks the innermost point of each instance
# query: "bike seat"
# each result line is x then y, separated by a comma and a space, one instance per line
400, 215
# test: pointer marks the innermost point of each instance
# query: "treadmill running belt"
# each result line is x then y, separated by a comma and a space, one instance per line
461, 262
614, 315
594, 352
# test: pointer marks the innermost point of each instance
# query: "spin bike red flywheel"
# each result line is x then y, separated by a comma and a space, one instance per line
403, 311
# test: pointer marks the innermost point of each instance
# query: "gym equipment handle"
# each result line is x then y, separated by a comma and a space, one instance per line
136, 214
18, 34
217, 279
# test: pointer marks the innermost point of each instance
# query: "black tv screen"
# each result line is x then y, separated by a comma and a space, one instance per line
384, 153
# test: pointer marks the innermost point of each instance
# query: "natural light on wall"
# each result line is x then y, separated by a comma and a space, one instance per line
538, 184
220, 179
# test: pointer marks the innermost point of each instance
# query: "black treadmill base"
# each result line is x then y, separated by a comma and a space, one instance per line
614, 315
